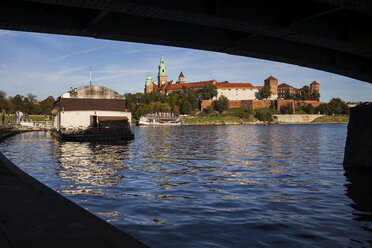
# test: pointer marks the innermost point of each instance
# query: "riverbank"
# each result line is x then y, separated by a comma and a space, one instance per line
33, 215
223, 120
332, 119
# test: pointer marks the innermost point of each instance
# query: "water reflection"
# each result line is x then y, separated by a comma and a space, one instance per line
91, 163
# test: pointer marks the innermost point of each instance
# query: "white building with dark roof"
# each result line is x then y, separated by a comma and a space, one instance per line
90, 107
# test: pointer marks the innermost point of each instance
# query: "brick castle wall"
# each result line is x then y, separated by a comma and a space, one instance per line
249, 104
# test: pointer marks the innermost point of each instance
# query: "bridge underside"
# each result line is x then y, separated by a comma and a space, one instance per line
329, 35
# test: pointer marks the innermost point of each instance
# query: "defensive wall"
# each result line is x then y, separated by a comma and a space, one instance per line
256, 104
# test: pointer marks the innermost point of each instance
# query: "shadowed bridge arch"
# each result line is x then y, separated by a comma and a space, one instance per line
329, 35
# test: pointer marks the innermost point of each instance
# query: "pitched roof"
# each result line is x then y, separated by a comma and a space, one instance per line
315, 82
234, 85
181, 75
284, 85
271, 78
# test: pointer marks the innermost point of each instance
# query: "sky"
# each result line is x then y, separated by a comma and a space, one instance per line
44, 64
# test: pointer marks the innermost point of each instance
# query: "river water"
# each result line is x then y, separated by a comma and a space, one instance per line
210, 186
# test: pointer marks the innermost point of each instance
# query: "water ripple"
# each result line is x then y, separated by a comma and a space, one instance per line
212, 186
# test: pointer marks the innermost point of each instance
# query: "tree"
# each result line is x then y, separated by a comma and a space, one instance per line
176, 110
209, 110
306, 93
309, 109
315, 96
47, 105
265, 92
3, 102
17, 102
209, 91
142, 110
31, 97
337, 107
222, 104
286, 109
322, 109
186, 107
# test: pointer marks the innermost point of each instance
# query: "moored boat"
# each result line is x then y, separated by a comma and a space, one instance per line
160, 119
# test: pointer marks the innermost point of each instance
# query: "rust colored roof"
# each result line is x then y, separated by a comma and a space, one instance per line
112, 118
189, 85
298, 89
234, 85
284, 85
75, 104
271, 78
315, 82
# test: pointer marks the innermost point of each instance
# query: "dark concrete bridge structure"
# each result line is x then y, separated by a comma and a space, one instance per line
329, 35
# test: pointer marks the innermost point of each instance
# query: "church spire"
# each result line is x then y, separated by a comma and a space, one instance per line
149, 80
149, 83
162, 75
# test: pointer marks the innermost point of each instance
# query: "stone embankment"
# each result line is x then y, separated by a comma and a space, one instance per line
33, 215
296, 118
358, 149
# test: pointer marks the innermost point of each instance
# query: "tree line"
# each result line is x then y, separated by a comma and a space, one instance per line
334, 107
27, 104
186, 101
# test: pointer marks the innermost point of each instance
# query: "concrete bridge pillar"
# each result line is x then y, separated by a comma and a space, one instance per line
358, 149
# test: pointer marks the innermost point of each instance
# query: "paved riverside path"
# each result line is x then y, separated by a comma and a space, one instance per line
33, 215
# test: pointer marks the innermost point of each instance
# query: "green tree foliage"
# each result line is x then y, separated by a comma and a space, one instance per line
152, 107
222, 104
186, 107
337, 107
209, 91
309, 109
17, 103
4, 106
322, 109
264, 114
286, 109
47, 105
190, 96
265, 92
209, 110
306, 93
315, 96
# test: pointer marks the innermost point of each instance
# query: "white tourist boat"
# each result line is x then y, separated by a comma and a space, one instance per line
160, 119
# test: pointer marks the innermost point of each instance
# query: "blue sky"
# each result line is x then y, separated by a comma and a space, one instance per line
45, 64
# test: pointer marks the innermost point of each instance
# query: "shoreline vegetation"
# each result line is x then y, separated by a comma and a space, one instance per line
224, 120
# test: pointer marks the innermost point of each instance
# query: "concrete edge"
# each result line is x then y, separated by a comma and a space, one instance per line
110, 232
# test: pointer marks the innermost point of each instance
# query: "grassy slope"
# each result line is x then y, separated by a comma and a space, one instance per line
331, 119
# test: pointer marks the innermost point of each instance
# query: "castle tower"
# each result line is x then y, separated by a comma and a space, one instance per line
181, 78
273, 85
149, 84
314, 87
162, 75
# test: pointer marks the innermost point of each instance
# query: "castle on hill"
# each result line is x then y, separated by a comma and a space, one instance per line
233, 91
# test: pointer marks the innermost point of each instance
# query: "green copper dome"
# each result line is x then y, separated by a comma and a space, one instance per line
162, 68
149, 80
